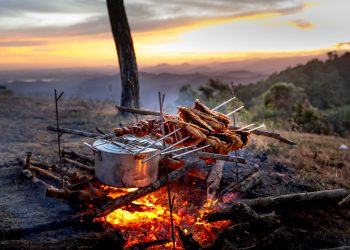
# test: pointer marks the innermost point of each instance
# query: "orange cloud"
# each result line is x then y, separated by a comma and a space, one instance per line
301, 24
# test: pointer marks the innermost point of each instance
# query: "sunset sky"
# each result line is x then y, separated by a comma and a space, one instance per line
76, 33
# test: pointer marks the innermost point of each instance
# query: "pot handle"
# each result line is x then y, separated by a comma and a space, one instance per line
95, 150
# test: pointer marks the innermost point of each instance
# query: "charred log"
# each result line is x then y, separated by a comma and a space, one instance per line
268, 203
187, 241
145, 245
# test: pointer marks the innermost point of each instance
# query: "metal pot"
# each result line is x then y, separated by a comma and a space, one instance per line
114, 166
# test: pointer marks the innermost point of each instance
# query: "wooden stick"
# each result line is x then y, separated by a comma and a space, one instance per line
78, 164
221, 157
138, 111
238, 212
126, 199
76, 195
282, 200
214, 179
276, 136
234, 186
45, 173
73, 154
74, 132
82, 184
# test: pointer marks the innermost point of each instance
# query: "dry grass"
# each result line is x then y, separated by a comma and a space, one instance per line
316, 158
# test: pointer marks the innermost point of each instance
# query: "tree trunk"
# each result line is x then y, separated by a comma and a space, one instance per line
126, 54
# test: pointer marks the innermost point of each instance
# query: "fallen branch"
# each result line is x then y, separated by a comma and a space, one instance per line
75, 196
81, 157
138, 111
78, 164
283, 200
273, 135
234, 186
81, 184
45, 173
249, 182
214, 179
74, 132
238, 212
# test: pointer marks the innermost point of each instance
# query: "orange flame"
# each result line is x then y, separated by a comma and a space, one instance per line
148, 218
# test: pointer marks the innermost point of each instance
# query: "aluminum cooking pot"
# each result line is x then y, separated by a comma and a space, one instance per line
114, 166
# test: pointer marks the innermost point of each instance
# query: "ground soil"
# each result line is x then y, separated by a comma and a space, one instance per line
316, 163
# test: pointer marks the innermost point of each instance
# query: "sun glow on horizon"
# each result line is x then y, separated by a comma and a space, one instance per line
253, 35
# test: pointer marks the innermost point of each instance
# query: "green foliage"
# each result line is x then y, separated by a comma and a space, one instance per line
312, 98
326, 84
212, 93
339, 119
306, 118
282, 97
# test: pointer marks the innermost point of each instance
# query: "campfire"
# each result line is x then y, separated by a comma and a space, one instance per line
185, 197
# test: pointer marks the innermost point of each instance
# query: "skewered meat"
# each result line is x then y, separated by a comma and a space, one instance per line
202, 125
219, 116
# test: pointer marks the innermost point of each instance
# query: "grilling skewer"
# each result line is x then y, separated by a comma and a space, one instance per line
261, 126
192, 151
245, 127
234, 111
177, 149
164, 150
155, 142
222, 104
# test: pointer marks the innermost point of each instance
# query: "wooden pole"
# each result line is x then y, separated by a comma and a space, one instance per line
126, 54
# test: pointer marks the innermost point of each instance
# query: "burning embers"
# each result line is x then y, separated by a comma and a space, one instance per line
148, 219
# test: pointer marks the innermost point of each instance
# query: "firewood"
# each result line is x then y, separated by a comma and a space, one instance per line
187, 241
78, 164
44, 165
45, 173
245, 235
288, 199
73, 154
238, 212
82, 184
214, 179
137, 111
75, 196
273, 135
235, 187
74, 132
126, 199
145, 245
198, 172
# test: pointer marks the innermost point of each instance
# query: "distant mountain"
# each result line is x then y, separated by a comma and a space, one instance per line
262, 66
326, 83
96, 85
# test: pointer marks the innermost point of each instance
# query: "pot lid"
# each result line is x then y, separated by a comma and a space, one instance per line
107, 146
